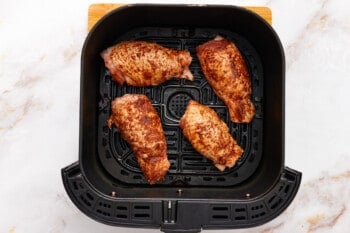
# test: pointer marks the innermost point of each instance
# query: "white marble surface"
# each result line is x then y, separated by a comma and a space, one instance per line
40, 46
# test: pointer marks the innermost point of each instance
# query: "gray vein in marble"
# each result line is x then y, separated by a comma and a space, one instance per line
323, 221
70, 53
318, 22
8, 110
268, 3
13, 113
28, 81
59, 226
272, 228
26, 84
327, 191
62, 197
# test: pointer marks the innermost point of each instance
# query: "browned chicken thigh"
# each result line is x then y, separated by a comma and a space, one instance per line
140, 63
140, 125
224, 68
209, 135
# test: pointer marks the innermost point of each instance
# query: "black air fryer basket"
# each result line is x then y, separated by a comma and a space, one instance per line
107, 184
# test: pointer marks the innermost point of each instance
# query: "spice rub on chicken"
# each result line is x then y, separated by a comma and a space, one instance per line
227, 73
140, 125
141, 63
209, 135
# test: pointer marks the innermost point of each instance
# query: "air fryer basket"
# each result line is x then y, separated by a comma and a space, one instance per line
107, 184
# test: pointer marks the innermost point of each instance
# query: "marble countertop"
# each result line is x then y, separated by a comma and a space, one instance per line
40, 47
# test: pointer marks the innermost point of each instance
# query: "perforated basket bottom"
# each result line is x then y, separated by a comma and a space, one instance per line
170, 99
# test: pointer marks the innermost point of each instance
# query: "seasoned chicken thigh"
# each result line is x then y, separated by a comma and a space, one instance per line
224, 68
209, 135
140, 125
140, 63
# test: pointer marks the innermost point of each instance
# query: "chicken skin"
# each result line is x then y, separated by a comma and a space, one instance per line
140, 125
209, 135
225, 69
140, 63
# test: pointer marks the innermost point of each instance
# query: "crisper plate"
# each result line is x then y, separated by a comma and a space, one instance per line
170, 99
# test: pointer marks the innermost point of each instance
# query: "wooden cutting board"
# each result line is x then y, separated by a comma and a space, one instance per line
98, 10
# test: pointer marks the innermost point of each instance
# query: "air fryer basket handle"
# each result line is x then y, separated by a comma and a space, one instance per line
191, 215
181, 231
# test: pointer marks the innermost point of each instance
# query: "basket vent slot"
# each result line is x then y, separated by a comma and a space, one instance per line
75, 185
275, 200
220, 208
103, 212
105, 205
142, 212
220, 213
81, 186
122, 212
257, 210
257, 207
88, 195
240, 213
104, 208
286, 189
220, 216
122, 208
289, 177
142, 215
141, 207
280, 188
85, 200
122, 216
276, 203
240, 217
271, 199
240, 210
258, 215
